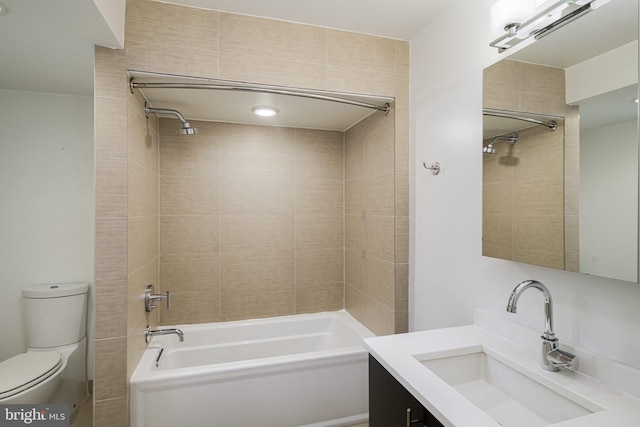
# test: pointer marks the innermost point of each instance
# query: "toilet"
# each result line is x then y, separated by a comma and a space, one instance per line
53, 369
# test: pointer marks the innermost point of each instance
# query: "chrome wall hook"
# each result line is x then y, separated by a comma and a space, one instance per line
434, 168
150, 299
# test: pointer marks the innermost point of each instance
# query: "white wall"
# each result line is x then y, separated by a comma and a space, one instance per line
584, 80
609, 201
449, 277
113, 12
46, 200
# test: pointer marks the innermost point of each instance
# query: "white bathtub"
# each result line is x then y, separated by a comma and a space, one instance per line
302, 370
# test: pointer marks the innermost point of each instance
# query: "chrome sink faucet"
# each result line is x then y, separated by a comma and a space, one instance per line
552, 357
148, 333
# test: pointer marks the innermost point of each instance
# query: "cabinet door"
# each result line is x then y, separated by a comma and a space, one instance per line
391, 405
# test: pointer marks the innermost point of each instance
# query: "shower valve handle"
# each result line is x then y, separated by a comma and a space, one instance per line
150, 299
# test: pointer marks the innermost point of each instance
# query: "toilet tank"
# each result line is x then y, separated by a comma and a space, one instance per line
55, 314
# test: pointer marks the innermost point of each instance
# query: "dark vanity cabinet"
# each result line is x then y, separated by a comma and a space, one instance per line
391, 405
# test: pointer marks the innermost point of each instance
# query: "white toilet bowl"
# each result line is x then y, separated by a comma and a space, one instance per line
53, 369
31, 377
36, 376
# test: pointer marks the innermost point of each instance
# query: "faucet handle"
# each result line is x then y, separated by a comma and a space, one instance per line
563, 359
167, 298
150, 298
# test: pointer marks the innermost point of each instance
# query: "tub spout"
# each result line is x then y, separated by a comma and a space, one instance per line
148, 333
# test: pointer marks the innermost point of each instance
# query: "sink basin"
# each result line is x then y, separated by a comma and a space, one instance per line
503, 390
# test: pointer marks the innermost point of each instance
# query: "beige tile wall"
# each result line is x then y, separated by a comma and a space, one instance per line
518, 86
111, 151
251, 221
127, 233
172, 39
529, 189
370, 225
142, 229
523, 195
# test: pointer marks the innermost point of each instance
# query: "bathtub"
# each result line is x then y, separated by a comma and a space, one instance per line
302, 370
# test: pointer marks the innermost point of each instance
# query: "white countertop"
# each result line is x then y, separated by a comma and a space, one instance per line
401, 355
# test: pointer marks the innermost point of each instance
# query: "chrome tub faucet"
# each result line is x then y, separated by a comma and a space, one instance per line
552, 357
148, 333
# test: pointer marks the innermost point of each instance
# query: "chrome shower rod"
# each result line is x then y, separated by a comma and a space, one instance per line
551, 124
289, 92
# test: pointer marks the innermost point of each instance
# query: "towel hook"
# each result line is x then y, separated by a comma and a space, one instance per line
434, 168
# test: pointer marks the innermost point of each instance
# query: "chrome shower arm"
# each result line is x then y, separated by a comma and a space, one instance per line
511, 139
186, 127
148, 110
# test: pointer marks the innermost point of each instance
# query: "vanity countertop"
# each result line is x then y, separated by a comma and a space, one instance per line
402, 354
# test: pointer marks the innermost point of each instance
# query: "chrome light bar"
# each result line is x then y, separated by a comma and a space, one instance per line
540, 25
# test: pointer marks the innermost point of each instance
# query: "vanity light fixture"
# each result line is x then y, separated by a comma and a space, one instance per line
522, 20
264, 110
508, 15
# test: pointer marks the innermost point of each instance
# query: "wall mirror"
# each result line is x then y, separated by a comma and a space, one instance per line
566, 198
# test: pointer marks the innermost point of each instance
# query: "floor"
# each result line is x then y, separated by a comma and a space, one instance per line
84, 417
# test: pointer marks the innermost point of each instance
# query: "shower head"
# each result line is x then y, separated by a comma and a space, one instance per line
489, 149
511, 139
186, 127
187, 130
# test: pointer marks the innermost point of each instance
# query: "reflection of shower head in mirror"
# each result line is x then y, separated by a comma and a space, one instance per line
489, 149
511, 139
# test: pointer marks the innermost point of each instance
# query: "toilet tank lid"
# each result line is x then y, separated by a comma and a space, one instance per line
55, 290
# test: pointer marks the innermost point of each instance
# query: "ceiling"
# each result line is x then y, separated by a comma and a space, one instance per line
47, 46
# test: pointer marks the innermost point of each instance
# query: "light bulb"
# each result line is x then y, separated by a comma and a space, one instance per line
506, 12
265, 110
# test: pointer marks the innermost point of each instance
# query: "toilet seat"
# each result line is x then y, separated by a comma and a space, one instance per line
26, 370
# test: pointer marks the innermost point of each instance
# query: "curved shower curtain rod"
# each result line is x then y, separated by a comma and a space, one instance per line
551, 124
290, 92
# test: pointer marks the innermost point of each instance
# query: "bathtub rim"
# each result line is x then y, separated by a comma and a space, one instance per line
342, 315
145, 378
